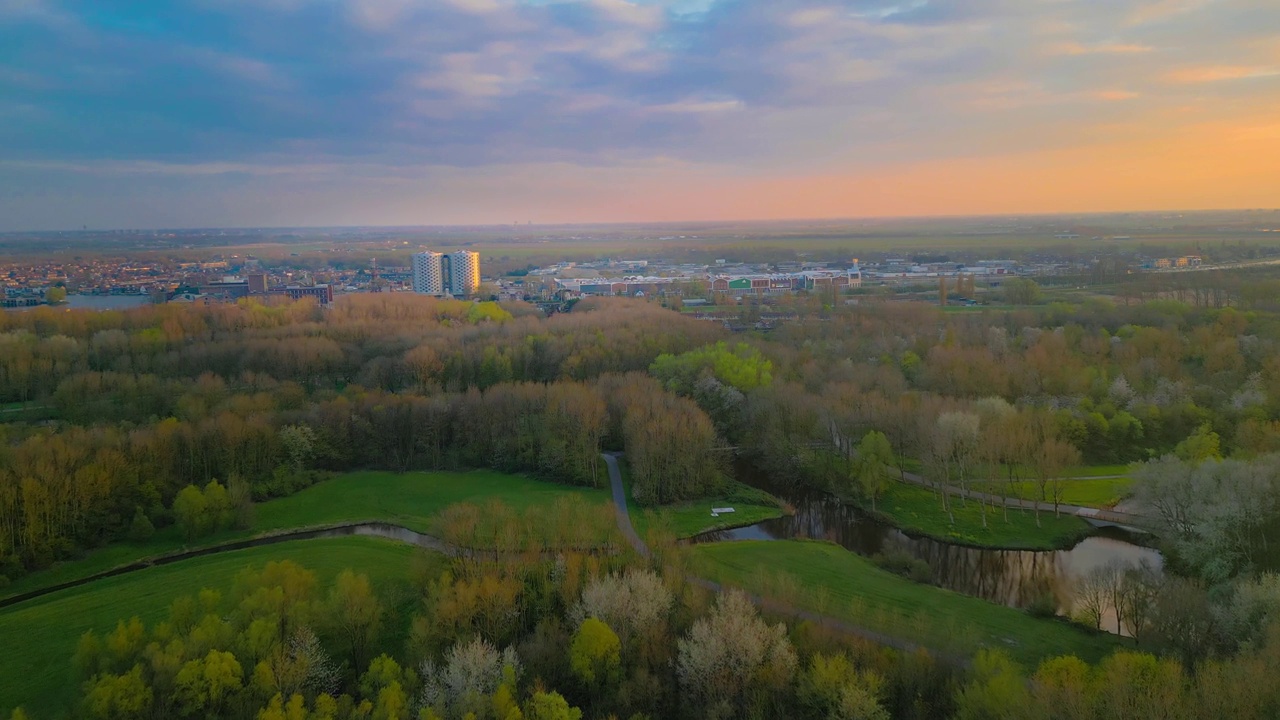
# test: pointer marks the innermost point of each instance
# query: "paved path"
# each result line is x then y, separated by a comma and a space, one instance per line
1094, 516
620, 506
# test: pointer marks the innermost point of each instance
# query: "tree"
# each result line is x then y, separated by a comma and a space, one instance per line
203, 685
731, 655
189, 509
55, 294
123, 697
833, 688
996, 687
355, 612
1021, 291
1094, 593
299, 443
595, 654
473, 671
217, 506
1060, 690
1203, 444
141, 529
1139, 588
875, 457
952, 448
632, 604
550, 706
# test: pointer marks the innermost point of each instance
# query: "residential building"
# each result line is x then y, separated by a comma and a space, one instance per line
455, 273
428, 273
464, 272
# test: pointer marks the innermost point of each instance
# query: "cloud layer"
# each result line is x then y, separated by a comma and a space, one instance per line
230, 112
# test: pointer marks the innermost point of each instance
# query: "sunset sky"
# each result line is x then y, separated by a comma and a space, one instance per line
391, 112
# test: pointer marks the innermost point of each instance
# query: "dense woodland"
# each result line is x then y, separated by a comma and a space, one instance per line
128, 420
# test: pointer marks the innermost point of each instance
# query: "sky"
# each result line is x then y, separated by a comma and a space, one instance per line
216, 113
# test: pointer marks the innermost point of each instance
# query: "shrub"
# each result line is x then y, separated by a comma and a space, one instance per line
1044, 606
900, 562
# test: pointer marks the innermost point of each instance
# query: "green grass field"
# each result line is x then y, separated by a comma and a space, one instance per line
1099, 492
410, 499
750, 506
41, 635
917, 509
691, 519
827, 579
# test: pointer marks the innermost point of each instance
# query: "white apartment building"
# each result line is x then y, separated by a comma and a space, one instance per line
428, 273
455, 273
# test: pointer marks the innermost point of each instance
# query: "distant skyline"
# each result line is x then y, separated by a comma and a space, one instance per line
262, 113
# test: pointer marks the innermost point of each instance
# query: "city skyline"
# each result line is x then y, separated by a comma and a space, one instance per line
293, 113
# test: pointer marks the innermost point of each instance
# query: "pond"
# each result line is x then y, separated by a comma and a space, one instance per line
1016, 578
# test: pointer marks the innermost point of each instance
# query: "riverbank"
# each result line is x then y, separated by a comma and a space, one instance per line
38, 675
414, 500
825, 578
750, 505
918, 511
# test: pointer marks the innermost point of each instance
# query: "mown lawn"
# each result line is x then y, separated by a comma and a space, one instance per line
684, 520
40, 635
413, 499
1099, 492
825, 578
689, 519
919, 510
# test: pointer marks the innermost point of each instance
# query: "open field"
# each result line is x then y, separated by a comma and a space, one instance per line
919, 510
40, 636
827, 579
413, 500
1099, 492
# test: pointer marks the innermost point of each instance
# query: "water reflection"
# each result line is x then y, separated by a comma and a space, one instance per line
1016, 578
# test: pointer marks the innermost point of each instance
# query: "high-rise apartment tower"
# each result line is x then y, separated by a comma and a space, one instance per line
455, 273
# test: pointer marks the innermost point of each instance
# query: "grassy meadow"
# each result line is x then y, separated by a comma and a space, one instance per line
41, 635
827, 579
919, 510
414, 500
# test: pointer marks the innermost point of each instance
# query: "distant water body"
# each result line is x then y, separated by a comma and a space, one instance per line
100, 302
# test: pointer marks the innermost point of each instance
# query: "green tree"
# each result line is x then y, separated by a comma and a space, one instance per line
833, 688
217, 506
141, 529
1203, 444
996, 689
550, 706
355, 612
118, 697
1021, 291
189, 509
875, 457
55, 294
595, 654
204, 685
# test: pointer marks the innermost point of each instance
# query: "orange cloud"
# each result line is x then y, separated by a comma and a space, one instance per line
1074, 48
1217, 73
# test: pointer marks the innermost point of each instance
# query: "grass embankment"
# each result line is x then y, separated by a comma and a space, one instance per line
41, 635
1097, 492
919, 510
827, 579
414, 500
685, 520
